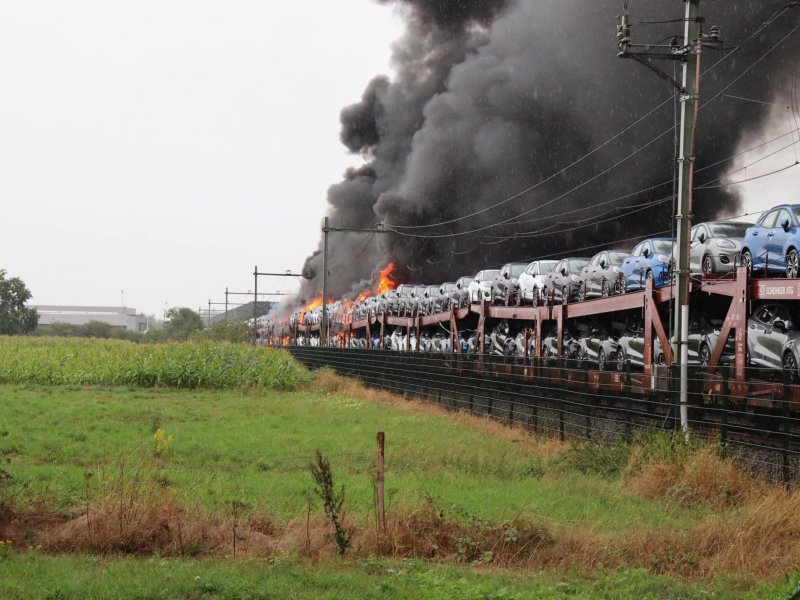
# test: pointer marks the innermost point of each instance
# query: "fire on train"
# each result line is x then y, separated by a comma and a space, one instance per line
604, 314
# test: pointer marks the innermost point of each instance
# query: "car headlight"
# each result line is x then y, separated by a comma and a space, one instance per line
574, 278
616, 270
663, 258
726, 244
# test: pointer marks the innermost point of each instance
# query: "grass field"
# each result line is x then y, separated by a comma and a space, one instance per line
149, 492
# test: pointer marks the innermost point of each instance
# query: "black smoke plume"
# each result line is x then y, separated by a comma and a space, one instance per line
490, 98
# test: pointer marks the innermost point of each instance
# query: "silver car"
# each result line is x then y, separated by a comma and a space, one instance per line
715, 246
773, 337
506, 284
482, 287
532, 280
561, 284
600, 278
460, 296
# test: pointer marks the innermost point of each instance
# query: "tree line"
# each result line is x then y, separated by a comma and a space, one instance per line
181, 323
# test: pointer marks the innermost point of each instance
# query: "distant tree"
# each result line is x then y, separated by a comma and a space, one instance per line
15, 317
92, 329
181, 323
226, 331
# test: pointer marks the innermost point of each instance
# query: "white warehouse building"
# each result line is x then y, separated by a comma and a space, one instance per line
123, 317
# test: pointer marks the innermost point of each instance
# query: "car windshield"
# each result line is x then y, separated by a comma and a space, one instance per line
547, 266
617, 258
449, 287
577, 264
491, 274
465, 281
662, 246
517, 270
728, 230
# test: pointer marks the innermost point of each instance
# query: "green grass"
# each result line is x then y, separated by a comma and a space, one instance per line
186, 365
30, 575
255, 448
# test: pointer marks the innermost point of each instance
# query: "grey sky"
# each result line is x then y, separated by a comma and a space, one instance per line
164, 148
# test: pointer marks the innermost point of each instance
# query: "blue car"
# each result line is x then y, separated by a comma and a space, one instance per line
772, 244
650, 259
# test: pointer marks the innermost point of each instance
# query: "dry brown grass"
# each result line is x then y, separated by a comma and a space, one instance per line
702, 477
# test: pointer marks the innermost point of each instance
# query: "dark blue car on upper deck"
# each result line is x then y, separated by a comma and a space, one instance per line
773, 243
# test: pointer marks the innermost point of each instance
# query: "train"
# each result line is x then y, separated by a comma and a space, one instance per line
744, 334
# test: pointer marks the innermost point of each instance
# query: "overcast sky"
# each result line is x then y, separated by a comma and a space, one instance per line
165, 148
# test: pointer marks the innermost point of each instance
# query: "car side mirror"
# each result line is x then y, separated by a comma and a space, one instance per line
506, 275
701, 238
563, 271
785, 224
602, 264
646, 252
779, 325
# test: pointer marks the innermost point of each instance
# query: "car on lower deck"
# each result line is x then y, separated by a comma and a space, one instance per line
773, 337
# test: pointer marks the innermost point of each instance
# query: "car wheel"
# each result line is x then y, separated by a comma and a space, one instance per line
649, 274
705, 355
790, 368
580, 355
581, 292
545, 297
601, 360
620, 362
564, 295
621, 284
535, 297
792, 264
605, 289
707, 266
747, 262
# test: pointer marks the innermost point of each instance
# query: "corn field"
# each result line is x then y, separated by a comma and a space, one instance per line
185, 365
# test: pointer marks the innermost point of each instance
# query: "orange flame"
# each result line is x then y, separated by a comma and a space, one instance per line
315, 303
385, 280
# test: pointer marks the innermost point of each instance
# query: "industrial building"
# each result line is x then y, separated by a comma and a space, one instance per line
124, 317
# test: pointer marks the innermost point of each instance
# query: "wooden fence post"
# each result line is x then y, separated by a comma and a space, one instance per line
379, 478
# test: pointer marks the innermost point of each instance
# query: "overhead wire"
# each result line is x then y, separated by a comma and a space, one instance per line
396, 227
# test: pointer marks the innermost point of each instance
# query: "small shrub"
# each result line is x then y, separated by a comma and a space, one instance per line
333, 501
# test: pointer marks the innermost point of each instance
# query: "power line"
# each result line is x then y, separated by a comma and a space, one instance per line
764, 25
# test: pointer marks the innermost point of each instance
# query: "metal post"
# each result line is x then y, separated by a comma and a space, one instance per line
226, 304
323, 329
209, 313
379, 479
255, 302
689, 107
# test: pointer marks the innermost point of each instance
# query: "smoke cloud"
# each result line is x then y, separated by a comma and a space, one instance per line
490, 98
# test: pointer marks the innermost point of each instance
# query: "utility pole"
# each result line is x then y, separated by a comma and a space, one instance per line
287, 273
323, 328
688, 53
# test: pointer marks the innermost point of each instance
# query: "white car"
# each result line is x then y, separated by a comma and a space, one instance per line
532, 280
482, 286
